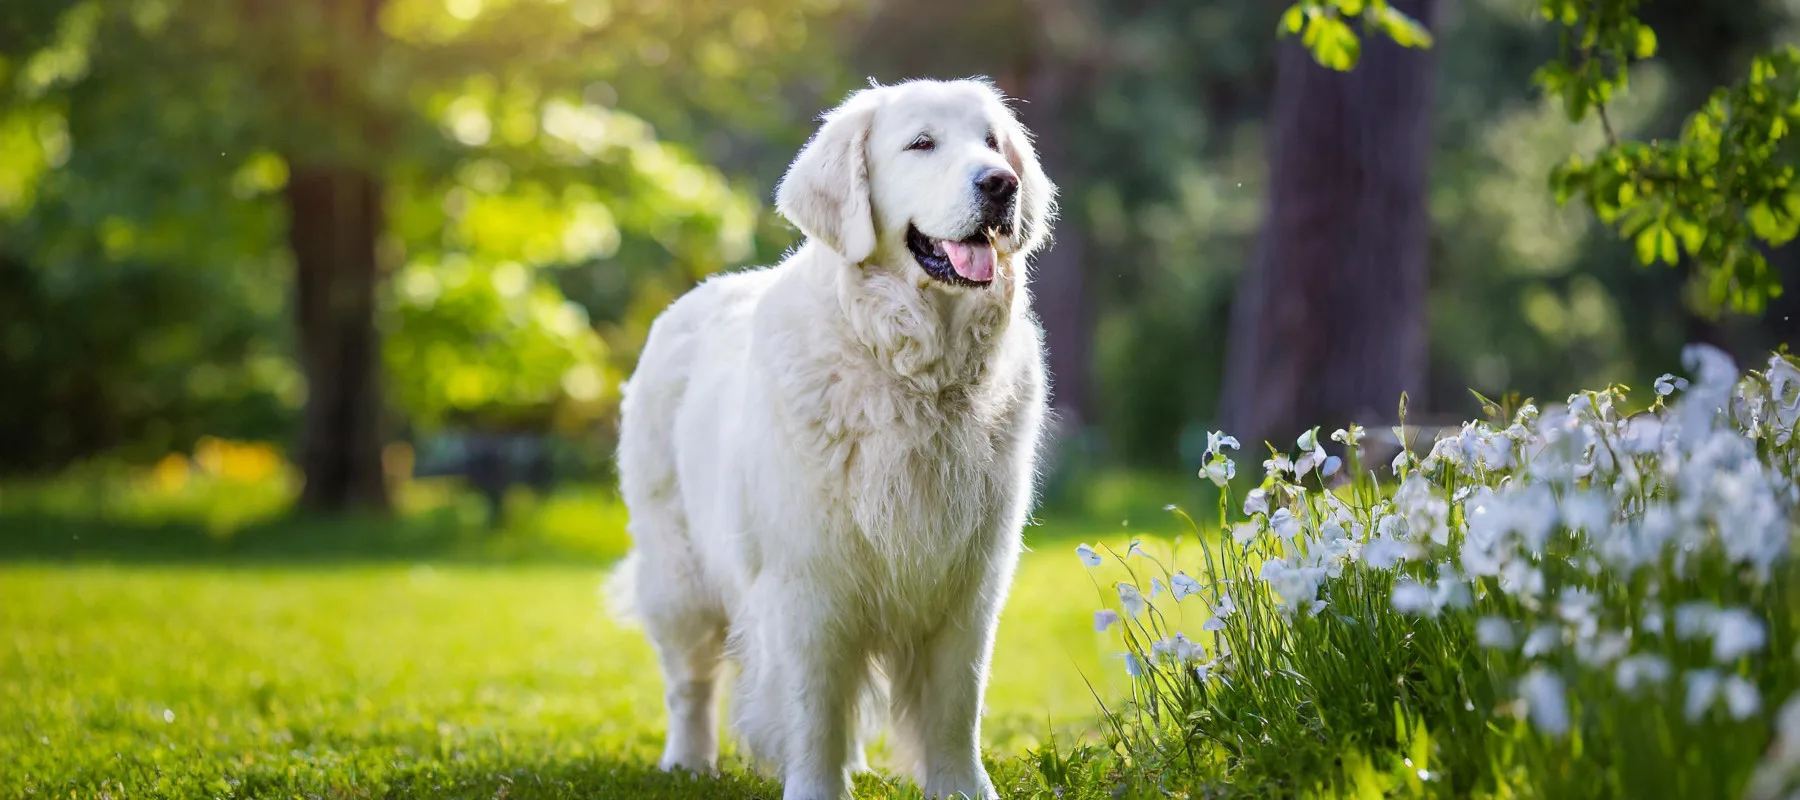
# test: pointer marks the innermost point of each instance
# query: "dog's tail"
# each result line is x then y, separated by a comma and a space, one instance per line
618, 593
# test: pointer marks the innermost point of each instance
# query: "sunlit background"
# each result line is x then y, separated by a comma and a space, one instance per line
297, 297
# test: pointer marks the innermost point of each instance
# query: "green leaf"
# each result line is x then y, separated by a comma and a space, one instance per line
1404, 30
1332, 43
1693, 236
1647, 246
1293, 20
1646, 42
1773, 225
1665, 246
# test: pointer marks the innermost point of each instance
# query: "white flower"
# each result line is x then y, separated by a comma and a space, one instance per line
1220, 470
1351, 436
1736, 633
1448, 450
1576, 607
1402, 460
1426, 513
1295, 584
1412, 597
1383, 553
1494, 633
1599, 650
1710, 365
1640, 670
1156, 587
1774, 776
1136, 549
1180, 586
1105, 618
1519, 577
1694, 620
1284, 523
1256, 502
1203, 672
1542, 640
1217, 441
1088, 556
1545, 703
1667, 384
1220, 612
1451, 591
1131, 599
1277, 465
1178, 647
1226, 607
1244, 533
1741, 698
1311, 454
1331, 466
1702, 692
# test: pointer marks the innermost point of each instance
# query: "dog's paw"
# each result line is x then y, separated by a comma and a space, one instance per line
688, 762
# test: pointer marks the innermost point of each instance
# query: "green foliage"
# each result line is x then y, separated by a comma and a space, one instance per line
1717, 193
1599, 42
1324, 28
514, 138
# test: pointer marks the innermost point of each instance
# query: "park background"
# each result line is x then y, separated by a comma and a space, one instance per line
313, 316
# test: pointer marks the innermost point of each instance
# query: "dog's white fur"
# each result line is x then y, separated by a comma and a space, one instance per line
828, 462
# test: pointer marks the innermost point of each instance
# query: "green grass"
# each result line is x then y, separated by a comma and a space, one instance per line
423, 657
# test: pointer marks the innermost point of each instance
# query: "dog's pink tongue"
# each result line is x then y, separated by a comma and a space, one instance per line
972, 261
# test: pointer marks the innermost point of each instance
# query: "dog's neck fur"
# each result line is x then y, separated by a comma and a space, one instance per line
929, 337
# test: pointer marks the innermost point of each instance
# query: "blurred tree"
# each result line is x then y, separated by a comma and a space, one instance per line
334, 223
1329, 325
479, 147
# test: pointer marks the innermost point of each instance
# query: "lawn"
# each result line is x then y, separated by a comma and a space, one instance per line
272, 662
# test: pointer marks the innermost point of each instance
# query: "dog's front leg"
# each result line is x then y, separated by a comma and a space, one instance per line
820, 680
937, 698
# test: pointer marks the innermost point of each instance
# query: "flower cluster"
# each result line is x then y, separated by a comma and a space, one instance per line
1577, 546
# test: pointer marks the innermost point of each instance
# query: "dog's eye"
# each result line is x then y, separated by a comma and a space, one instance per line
923, 144
993, 143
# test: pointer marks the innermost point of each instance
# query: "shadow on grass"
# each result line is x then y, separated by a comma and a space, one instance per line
550, 778
440, 521
42, 537
584, 526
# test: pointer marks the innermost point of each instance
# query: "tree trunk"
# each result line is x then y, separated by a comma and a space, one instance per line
335, 219
334, 223
1328, 326
1059, 278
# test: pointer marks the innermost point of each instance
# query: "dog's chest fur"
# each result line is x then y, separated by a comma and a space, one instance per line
914, 418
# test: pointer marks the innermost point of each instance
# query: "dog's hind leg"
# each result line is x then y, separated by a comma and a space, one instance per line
691, 652
688, 631
688, 627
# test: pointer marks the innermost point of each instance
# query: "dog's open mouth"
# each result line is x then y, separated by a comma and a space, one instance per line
969, 262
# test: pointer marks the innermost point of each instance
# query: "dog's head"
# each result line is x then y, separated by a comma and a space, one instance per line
929, 175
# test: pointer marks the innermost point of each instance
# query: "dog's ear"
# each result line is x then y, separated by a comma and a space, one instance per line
1037, 195
826, 190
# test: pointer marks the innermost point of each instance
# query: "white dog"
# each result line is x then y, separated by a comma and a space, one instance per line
828, 462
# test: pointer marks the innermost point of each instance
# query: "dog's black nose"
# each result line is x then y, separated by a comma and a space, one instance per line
997, 185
